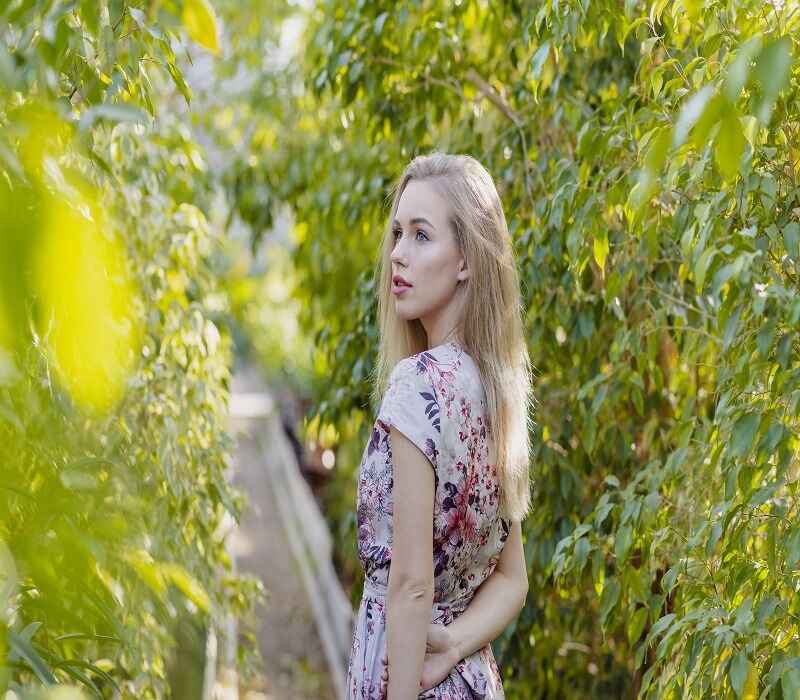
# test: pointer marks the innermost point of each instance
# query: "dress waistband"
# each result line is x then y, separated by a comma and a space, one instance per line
443, 612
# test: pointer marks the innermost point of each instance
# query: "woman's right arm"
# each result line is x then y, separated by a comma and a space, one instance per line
497, 601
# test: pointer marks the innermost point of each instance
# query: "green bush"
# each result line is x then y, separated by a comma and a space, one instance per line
647, 157
114, 355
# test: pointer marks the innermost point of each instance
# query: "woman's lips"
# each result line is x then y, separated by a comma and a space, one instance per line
400, 288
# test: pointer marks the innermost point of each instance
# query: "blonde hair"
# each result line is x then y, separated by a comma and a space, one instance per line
492, 328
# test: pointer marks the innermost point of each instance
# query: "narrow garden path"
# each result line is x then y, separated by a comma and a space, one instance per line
294, 658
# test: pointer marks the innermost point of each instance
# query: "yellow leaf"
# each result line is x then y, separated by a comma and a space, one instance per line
601, 249
148, 570
87, 301
730, 144
187, 584
200, 21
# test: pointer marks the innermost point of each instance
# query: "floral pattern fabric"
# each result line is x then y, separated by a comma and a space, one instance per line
436, 399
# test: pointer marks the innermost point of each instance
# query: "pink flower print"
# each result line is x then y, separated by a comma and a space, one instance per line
469, 525
460, 520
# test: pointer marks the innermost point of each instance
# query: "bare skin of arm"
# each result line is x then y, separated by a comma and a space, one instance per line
498, 600
411, 581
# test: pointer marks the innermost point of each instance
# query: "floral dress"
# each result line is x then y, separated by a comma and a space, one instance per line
436, 399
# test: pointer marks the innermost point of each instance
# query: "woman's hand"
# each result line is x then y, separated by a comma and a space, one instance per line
440, 656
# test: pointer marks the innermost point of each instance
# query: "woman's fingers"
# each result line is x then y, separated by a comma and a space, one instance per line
435, 668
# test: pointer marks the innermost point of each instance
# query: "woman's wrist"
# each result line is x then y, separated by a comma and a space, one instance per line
455, 646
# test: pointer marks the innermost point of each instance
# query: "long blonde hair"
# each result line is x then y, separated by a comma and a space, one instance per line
492, 328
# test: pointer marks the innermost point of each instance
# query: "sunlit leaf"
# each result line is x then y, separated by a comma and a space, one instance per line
87, 295
739, 670
772, 73
601, 248
636, 624
200, 21
188, 585
113, 113
690, 113
739, 70
730, 144
539, 59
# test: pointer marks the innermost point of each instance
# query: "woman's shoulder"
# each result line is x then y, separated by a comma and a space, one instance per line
447, 369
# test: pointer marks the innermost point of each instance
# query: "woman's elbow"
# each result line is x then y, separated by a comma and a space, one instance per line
411, 584
523, 596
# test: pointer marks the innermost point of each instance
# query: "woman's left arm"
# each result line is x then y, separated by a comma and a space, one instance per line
410, 595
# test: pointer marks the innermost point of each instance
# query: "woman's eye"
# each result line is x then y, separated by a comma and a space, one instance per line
397, 232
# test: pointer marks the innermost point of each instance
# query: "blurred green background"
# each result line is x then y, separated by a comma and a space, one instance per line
185, 181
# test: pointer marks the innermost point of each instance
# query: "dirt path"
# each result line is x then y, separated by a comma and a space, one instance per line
295, 665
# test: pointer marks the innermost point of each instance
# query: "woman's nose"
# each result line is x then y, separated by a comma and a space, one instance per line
398, 252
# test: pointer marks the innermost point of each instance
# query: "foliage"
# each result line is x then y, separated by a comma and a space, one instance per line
646, 154
115, 359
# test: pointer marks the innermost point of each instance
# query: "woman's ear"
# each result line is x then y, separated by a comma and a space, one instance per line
463, 272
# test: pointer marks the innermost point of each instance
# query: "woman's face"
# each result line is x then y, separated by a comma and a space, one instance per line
426, 256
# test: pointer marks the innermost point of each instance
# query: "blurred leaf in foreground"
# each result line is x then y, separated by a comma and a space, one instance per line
87, 295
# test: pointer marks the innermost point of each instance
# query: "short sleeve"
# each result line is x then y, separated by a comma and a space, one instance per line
410, 406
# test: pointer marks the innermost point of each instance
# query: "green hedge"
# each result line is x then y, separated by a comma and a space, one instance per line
647, 157
115, 356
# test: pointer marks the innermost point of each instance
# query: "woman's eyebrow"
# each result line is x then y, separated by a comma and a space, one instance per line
417, 220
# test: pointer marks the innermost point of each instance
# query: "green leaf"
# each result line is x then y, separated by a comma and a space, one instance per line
180, 82
764, 338
772, 73
188, 585
701, 267
582, 549
668, 582
661, 624
791, 239
690, 114
657, 150
743, 434
738, 671
636, 625
90, 16
740, 68
147, 569
380, 20
201, 23
783, 351
141, 21
790, 683
112, 113
729, 144
538, 60
703, 126
601, 248
609, 598
793, 548
22, 648
622, 543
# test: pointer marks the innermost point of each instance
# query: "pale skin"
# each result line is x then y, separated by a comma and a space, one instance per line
422, 654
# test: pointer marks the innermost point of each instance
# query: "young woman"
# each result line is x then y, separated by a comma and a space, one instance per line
448, 453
